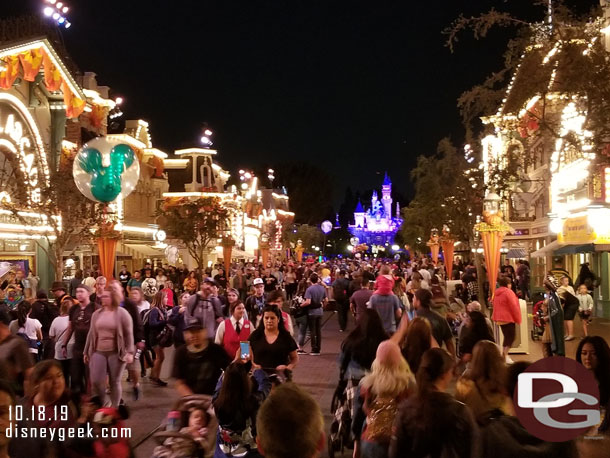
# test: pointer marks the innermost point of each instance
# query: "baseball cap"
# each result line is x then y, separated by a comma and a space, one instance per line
192, 323
258, 281
210, 280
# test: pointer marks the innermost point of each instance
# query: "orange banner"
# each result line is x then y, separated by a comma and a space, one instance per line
9, 75
492, 242
52, 76
107, 249
74, 105
448, 249
30, 62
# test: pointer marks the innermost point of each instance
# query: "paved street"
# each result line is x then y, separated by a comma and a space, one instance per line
317, 374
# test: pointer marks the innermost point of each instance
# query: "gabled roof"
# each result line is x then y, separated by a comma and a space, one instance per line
17, 47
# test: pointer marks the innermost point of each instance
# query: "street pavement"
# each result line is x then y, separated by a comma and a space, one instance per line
317, 374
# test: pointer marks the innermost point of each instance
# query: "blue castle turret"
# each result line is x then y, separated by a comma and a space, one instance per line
377, 226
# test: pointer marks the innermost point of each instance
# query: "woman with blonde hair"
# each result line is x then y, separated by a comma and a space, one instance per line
483, 385
381, 390
109, 346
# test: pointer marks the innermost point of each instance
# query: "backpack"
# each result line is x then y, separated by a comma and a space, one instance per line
145, 317
380, 419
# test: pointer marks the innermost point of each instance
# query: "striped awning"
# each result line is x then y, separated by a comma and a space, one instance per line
516, 253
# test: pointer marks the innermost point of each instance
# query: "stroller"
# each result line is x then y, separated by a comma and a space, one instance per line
177, 444
342, 408
538, 321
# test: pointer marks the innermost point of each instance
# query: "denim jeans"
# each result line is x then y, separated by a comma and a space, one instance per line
302, 325
315, 325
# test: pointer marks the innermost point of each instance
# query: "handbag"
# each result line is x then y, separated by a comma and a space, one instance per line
295, 307
165, 338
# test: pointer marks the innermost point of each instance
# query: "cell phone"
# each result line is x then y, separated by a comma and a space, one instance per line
244, 349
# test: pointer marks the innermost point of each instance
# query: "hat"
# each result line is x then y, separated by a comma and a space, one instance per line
210, 280
258, 281
85, 287
192, 323
58, 285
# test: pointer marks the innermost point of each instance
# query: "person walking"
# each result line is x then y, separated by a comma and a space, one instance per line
109, 347
340, 295
157, 321
58, 328
236, 401
553, 342
272, 347
315, 300
585, 307
430, 411
506, 314
388, 384
77, 280
28, 328
45, 312
570, 306
235, 329
361, 296
255, 303
79, 325
422, 301
205, 307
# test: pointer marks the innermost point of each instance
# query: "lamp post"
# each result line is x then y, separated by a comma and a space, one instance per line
492, 229
227, 248
264, 247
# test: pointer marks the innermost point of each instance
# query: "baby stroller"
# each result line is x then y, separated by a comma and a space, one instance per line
177, 444
538, 321
341, 406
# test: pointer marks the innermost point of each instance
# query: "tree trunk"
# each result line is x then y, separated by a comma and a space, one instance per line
58, 253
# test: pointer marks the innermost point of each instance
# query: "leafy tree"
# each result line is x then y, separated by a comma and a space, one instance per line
196, 223
558, 59
68, 215
447, 191
308, 234
310, 191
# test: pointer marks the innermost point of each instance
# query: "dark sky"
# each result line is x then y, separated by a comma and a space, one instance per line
357, 87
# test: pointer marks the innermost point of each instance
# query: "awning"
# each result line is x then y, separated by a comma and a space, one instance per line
516, 253
546, 250
145, 250
573, 249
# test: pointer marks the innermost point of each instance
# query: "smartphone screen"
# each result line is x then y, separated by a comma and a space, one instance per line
244, 349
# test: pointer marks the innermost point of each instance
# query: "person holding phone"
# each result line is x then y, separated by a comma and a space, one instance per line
272, 347
235, 329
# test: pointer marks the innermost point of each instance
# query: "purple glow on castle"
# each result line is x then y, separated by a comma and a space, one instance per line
376, 226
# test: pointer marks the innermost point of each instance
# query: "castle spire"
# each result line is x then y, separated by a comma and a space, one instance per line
386, 180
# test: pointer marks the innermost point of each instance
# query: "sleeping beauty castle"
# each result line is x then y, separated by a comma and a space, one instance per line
376, 226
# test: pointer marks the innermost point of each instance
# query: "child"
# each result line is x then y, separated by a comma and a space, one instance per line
384, 282
585, 307
178, 444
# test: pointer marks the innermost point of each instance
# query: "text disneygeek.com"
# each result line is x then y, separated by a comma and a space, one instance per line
61, 433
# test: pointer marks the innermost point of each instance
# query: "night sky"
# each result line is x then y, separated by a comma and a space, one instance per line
356, 87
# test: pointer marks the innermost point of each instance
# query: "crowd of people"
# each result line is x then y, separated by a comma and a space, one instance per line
420, 363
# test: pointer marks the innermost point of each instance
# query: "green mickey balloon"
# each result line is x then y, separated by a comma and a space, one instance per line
105, 181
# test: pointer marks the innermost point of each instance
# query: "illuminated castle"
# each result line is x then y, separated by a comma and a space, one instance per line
376, 226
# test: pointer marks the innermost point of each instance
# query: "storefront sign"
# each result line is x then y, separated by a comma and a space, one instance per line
576, 230
21, 144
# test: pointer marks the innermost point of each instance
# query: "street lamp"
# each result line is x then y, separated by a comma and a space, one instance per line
206, 138
271, 176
